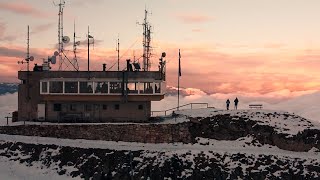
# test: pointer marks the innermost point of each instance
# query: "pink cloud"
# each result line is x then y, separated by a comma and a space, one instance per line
22, 8
202, 67
194, 18
197, 30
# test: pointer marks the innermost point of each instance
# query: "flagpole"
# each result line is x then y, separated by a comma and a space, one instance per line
179, 73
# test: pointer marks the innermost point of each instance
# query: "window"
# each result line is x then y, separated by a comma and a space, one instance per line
104, 107
56, 87
117, 107
140, 107
115, 87
145, 88
88, 107
86, 87
157, 87
44, 87
56, 107
70, 87
73, 107
132, 88
101, 87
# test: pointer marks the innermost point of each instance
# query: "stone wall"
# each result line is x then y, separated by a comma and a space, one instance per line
150, 133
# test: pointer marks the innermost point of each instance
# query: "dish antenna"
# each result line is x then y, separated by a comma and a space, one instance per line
56, 53
65, 39
53, 59
31, 58
78, 43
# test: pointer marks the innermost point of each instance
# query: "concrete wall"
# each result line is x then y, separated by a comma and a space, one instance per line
145, 133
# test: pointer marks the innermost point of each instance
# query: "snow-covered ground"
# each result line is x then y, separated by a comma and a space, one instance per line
13, 170
159, 152
282, 122
247, 146
240, 145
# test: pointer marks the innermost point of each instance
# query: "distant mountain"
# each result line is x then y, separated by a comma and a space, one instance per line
173, 91
8, 88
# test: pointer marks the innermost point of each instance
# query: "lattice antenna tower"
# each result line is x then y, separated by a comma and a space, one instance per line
75, 44
146, 42
60, 33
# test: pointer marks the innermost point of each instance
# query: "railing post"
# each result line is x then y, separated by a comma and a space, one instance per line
191, 105
165, 113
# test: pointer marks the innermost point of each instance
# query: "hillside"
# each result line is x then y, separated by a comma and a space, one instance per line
217, 144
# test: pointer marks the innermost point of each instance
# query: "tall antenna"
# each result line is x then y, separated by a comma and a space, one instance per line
28, 52
75, 44
89, 36
28, 58
60, 33
118, 50
146, 42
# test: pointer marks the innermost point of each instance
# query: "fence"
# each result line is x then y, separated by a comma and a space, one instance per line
176, 108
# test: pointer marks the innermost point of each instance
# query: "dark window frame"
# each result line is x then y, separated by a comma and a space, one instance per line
57, 107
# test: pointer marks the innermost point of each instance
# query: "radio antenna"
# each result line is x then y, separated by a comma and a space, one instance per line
118, 50
146, 42
75, 44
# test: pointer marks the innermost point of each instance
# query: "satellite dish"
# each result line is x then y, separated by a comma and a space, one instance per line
65, 39
31, 58
136, 66
78, 43
56, 53
163, 54
53, 60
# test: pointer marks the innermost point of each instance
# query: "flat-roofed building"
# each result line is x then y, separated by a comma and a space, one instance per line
95, 96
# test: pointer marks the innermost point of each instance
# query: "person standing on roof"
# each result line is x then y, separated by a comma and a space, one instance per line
228, 102
236, 101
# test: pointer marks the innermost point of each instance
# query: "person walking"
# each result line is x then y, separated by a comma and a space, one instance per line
236, 101
228, 102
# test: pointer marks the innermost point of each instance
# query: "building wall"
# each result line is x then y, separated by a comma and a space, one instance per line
98, 111
29, 97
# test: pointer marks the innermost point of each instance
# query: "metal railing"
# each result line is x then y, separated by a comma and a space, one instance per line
176, 108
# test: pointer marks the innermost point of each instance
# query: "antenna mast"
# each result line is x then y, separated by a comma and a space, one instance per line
28, 53
75, 44
146, 42
118, 50
60, 33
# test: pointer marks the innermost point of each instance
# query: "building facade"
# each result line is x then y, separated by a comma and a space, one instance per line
82, 96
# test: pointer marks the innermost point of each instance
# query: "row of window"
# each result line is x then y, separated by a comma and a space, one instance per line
88, 107
89, 87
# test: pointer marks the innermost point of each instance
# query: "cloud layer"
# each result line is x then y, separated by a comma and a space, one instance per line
23, 9
304, 105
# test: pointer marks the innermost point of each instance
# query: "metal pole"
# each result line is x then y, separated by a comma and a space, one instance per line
179, 83
28, 58
88, 51
118, 54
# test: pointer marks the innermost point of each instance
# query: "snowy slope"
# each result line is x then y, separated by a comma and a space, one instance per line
242, 158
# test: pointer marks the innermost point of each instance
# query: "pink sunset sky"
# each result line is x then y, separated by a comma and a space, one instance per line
227, 47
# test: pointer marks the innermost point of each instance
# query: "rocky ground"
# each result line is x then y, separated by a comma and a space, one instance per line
223, 145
